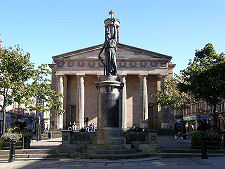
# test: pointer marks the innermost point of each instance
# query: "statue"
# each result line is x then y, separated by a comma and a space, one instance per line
109, 47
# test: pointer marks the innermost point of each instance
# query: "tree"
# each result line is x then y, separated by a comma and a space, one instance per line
39, 95
21, 83
205, 77
171, 96
15, 69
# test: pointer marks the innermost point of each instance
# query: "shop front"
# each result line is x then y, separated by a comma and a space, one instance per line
191, 123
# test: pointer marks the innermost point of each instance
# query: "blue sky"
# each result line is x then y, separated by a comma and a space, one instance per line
45, 28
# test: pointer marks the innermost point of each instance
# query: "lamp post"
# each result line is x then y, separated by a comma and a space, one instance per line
38, 117
12, 150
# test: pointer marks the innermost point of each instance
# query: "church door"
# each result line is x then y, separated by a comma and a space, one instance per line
73, 113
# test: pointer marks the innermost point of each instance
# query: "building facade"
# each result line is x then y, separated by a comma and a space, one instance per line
200, 112
74, 75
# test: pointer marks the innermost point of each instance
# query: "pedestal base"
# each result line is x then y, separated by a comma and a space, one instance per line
110, 136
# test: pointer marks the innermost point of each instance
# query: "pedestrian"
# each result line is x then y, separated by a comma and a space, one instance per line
74, 127
86, 121
70, 126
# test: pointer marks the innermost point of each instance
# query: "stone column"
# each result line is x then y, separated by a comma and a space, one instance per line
80, 99
60, 91
65, 115
124, 103
144, 101
159, 84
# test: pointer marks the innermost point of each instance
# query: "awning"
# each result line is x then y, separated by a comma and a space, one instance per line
188, 118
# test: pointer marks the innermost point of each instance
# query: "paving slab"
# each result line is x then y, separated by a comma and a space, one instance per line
187, 163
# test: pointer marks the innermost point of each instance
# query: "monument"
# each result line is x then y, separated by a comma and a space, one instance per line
109, 89
110, 141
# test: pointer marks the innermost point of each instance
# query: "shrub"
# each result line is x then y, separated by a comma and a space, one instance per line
12, 134
211, 138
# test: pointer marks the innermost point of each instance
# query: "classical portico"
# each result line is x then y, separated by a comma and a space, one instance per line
74, 75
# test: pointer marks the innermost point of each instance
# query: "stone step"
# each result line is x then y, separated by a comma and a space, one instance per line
35, 155
111, 141
29, 159
105, 151
30, 151
183, 155
141, 155
190, 151
113, 156
108, 147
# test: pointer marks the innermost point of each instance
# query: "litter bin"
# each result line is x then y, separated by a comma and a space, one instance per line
49, 135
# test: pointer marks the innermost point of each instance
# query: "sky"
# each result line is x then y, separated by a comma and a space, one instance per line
46, 28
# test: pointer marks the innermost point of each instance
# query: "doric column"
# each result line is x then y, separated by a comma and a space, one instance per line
65, 115
144, 101
80, 99
124, 103
159, 84
60, 91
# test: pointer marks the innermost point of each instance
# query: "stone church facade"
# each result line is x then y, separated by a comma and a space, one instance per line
74, 75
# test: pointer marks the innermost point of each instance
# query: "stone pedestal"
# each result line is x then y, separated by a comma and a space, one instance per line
109, 111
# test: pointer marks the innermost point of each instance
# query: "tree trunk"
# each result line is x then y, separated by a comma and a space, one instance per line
3, 120
4, 111
215, 120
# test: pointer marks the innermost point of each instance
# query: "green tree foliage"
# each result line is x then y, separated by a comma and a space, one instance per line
21, 83
40, 97
205, 77
171, 96
15, 69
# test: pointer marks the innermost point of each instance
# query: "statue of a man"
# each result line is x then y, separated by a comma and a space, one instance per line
110, 52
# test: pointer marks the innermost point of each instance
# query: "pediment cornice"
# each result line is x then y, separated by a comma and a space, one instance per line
123, 53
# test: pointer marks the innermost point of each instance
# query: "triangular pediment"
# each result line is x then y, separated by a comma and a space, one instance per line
129, 59
124, 52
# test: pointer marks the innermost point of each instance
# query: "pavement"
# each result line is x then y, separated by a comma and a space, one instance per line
152, 163
166, 142
45, 144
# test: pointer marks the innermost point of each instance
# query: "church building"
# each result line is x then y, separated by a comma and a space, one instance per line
75, 73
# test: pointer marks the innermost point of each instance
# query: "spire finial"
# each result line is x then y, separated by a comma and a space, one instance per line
112, 13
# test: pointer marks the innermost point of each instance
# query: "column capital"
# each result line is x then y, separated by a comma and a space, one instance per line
142, 75
58, 76
78, 75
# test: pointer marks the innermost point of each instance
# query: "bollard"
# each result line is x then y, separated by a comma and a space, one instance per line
204, 149
12, 151
223, 142
49, 135
23, 142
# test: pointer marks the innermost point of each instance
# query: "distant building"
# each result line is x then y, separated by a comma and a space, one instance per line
202, 112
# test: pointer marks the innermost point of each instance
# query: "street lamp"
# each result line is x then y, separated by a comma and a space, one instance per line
38, 117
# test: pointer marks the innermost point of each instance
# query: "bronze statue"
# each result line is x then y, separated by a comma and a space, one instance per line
110, 67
